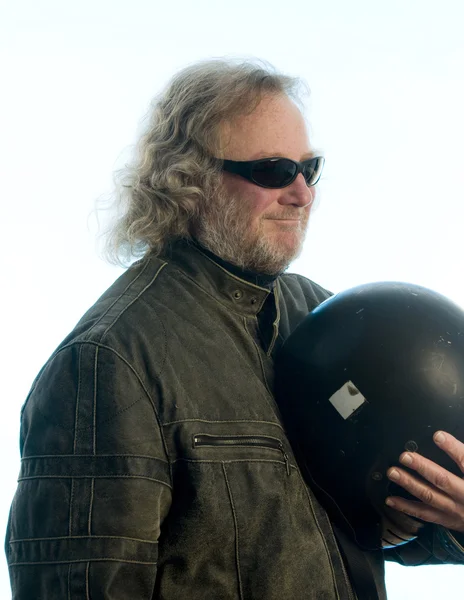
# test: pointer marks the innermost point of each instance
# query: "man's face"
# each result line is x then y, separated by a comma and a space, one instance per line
260, 229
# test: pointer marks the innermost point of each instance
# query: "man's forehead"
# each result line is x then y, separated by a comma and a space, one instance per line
297, 146
275, 128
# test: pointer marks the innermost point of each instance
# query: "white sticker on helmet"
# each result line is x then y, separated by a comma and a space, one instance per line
347, 399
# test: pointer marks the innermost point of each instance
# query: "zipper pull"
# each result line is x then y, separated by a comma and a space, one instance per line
287, 462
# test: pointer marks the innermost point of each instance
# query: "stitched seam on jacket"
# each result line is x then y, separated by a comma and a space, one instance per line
71, 500
39, 376
271, 404
83, 560
82, 537
89, 523
91, 343
87, 581
276, 323
139, 379
83, 550
131, 283
321, 534
125, 361
127, 306
76, 421
237, 550
76, 416
94, 448
235, 460
87, 467
94, 414
218, 300
95, 477
232, 421
58, 456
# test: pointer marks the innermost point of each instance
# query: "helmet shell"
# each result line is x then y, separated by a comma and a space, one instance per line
371, 372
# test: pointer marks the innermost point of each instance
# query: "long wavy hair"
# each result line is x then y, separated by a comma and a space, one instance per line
174, 171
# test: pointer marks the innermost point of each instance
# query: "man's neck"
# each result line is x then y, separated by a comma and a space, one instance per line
262, 279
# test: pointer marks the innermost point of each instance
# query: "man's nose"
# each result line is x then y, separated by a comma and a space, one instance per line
297, 193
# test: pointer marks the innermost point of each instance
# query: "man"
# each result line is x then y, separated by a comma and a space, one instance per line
155, 464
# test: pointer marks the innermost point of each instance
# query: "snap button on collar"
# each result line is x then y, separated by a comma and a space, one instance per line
238, 294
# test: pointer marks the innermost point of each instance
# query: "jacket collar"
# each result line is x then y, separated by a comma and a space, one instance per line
239, 295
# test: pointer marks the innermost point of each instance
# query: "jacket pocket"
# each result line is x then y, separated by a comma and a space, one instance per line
239, 524
249, 441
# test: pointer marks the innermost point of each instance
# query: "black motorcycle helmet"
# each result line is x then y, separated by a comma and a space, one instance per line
371, 372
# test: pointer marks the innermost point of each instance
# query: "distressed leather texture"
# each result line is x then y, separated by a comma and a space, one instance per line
154, 461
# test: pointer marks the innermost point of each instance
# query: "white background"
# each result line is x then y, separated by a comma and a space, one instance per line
77, 78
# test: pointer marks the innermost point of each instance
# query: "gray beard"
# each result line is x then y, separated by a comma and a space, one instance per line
224, 229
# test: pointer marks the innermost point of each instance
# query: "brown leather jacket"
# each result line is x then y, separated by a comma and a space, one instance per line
154, 461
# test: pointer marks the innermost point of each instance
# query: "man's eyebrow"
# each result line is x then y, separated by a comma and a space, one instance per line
306, 155
310, 154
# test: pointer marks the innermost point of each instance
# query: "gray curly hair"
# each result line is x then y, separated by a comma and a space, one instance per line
174, 172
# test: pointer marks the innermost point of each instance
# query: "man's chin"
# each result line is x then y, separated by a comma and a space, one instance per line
274, 259
288, 246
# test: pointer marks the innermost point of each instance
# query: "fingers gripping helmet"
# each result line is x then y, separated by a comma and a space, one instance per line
371, 372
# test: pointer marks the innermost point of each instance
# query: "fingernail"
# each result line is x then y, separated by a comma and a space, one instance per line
389, 502
439, 437
406, 459
394, 474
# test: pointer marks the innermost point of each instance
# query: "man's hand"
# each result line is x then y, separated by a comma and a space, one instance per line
441, 500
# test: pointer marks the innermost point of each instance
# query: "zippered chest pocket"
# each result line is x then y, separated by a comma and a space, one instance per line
248, 441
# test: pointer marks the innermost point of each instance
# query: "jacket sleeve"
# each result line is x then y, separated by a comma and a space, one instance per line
434, 545
94, 485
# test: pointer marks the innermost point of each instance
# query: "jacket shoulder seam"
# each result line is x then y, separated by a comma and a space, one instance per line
126, 306
82, 343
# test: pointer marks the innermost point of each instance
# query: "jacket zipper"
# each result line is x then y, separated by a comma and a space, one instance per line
205, 439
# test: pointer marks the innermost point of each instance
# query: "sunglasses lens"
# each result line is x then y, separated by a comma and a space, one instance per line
274, 173
313, 170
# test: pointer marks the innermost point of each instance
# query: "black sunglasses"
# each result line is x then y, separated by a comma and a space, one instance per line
276, 172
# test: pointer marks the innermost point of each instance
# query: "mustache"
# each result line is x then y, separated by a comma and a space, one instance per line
284, 216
